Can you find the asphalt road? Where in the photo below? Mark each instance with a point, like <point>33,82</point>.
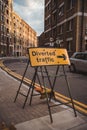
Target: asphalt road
<point>77,81</point>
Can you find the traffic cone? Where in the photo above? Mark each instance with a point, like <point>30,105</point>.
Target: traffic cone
<point>12,127</point>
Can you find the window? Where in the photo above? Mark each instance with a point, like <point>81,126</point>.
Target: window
<point>54,2</point>
<point>14,25</point>
<point>14,39</point>
<point>2,18</point>
<point>48,7</point>
<point>2,8</point>
<point>61,10</point>
<point>2,28</point>
<point>8,39</point>
<point>86,31</point>
<point>54,17</point>
<point>47,21</point>
<point>6,2</point>
<point>7,21</point>
<point>79,56</point>
<point>86,46</point>
<point>54,32</point>
<point>60,29</point>
<point>70,4</point>
<point>86,28</point>
<point>7,12</point>
<point>70,25</point>
<point>18,47</point>
<point>2,37</point>
<point>7,30</point>
<point>69,45</point>
<point>85,56</point>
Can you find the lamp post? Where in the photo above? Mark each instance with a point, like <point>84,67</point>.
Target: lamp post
<point>51,41</point>
<point>57,42</point>
<point>82,25</point>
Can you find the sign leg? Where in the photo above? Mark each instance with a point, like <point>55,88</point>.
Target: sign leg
<point>68,86</point>
<point>33,83</point>
<point>21,81</point>
<point>51,119</point>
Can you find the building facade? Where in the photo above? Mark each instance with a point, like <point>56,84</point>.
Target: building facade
<point>65,24</point>
<point>23,35</point>
<point>15,34</point>
<point>6,44</point>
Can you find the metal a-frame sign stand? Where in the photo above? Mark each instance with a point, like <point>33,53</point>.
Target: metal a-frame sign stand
<point>40,58</point>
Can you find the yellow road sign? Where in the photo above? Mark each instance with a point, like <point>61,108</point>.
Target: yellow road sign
<point>48,56</point>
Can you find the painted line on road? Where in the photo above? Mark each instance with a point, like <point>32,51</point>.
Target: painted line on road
<point>78,105</point>
<point>68,99</point>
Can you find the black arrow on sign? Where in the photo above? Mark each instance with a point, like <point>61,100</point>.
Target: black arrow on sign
<point>62,56</point>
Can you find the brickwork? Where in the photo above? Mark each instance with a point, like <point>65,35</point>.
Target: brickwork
<point>66,21</point>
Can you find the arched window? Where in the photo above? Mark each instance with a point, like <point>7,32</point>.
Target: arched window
<point>86,46</point>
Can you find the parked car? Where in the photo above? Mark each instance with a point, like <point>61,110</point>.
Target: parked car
<point>78,62</point>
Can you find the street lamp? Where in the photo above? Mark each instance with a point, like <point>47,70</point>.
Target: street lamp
<point>58,42</point>
<point>82,25</point>
<point>51,41</point>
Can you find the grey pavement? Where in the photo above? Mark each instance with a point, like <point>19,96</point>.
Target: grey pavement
<point>35,116</point>
<point>64,120</point>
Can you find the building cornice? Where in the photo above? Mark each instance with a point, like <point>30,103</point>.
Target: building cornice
<point>69,18</point>
<point>73,16</point>
<point>47,3</point>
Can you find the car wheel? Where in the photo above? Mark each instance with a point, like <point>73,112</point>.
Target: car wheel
<point>72,68</point>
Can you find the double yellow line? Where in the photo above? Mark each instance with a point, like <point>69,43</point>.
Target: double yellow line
<point>78,105</point>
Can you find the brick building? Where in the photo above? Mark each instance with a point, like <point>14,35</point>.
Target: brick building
<point>23,35</point>
<point>15,34</point>
<point>6,44</point>
<point>65,23</point>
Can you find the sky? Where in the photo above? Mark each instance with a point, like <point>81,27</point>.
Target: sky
<point>31,11</point>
